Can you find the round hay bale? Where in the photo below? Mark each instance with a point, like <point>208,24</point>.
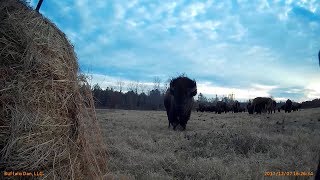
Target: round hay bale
<point>47,117</point>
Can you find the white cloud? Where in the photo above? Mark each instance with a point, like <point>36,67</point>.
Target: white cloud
<point>101,3</point>
<point>103,39</point>
<point>240,31</point>
<point>240,46</point>
<point>264,5</point>
<point>88,20</point>
<point>283,15</point>
<point>119,12</point>
<point>263,87</point>
<point>64,8</point>
<point>312,90</point>
<point>193,10</point>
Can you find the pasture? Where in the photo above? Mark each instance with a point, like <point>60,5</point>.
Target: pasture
<point>213,146</point>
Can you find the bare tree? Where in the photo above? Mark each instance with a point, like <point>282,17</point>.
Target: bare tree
<point>156,83</point>
<point>136,86</point>
<point>120,84</point>
<point>142,87</point>
<point>165,86</point>
<point>131,86</point>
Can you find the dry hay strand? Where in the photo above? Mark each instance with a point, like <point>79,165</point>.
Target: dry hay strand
<point>47,117</point>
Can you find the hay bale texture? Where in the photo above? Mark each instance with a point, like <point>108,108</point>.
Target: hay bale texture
<point>47,116</point>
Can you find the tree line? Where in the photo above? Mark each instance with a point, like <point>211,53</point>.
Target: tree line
<point>138,98</point>
<point>113,99</point>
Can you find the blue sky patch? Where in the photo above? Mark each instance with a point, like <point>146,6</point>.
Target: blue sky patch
<point>250,48</point>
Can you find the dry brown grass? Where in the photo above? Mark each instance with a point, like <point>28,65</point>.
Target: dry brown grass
<point>226,146</point>
<point>47,118</point>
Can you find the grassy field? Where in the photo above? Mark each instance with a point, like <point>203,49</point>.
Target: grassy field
<point>225,146</point>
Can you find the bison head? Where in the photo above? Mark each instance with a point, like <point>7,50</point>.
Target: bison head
<point>183,89</point>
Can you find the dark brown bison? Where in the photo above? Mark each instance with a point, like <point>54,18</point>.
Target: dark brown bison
<point>221,107</point>
<point>271,106</point>
<point>250,107</point>
<point>274,106</point>
<point>288,106</point>
<point>282,107</point>
<point>262,103</point>
<point>206,108</point>
<point>236,107</point>
<point>201,108</point>
<point>211,108</point>
<point>296,106</point>
<point>242,109</point>
<point>178,101</point>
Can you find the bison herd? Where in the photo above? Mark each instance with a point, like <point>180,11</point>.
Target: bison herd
<point>221,107</point>
<point>178,102</point>
<point>257,105</point>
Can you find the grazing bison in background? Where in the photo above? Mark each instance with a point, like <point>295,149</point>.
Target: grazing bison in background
<point>271,106</point>
<point>178,101</point>
<point>281,107</point>
<point>288,106</point>
<point>211,108</point>
<point>261,103</point>
<point>242,109</point>
<point>236,107</point>
<point>296,106</point>
<point>201,108</point>
<point>206,108</point>
<point>250,107</point>
<point>221,107</point>
<point>274,106</point>
<point>229,107</point>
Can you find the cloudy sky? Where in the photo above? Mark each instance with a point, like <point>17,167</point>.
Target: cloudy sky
<point>249,48</point>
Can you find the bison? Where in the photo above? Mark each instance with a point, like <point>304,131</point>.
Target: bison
<point>274,106</point>
<point>262,103</point>
<point>211,108</point>
<point>250,107</point>
<point>271,106</point>
<point>242,109</point>
<point>178,101</point>
<point>296,106</point>
<point>282,107</point>
<point>288,106</point>
<point>206,108</point>
<point>201,108</point>
<point>221,107</point>
<point>236,107</point>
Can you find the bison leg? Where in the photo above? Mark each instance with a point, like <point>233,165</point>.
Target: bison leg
<point>174,126</point>
<point>183,127</point>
